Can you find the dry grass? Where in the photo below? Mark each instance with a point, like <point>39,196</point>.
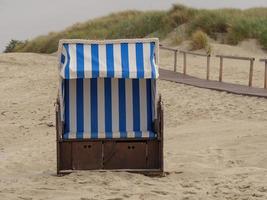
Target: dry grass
<point>199,40</point>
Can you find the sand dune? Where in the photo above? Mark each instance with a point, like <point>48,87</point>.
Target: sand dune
<point>215,143</point>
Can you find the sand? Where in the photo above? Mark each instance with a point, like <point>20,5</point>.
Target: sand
<point>215,143</point>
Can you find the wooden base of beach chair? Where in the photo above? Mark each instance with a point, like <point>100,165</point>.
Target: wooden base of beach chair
<point>133,155</point>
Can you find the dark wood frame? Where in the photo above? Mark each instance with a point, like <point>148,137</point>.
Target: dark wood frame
<point>134,155</point>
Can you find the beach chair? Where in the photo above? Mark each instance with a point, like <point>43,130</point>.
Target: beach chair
<point>108,116</point>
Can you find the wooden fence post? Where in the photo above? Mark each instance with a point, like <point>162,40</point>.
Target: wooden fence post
<point>175,60</point>
<point>265,72</point>
<point>265,77</point>
<point>208,67</point>
<point>250,72</point>
<point>221,69</point>
<point>184,62</point>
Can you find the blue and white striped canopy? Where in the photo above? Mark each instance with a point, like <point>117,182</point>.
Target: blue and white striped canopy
<point>108,59</point>
<point>108,88</point>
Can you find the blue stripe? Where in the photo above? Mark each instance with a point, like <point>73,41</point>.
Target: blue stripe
<point>67,108</point>
<point>152,58</point>
<point>67,68</point>
<point>125,60</point>
<point>140,60</point>
<point>151,134</point>
<point>79,108</point>
<point>108,108</point>
<point>62,60</point>
<point>95,60</point>
<point>94,110</point>
<point>80,60</point>
<point>149,104</point>
<point>67,94</point>
<point>136,107</point>
<point>110,60</point>
<point>122,108</point>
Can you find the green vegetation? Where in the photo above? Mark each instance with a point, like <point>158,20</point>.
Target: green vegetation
<point>12,45</point>
<point>235,25</point>
<point>199,40</point>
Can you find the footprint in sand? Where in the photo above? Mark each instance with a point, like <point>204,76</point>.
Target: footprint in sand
<point>188,198</point>
<point>115,199</point>
<point>160,192</point>
<point>187,185</point>
<point>234,163</point>
<point>189,192</point>
<point>25,198</point>
<point>262,189</point>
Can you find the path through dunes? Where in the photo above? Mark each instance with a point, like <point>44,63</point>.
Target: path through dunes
<point>177,77</point>
<point>215,143</point>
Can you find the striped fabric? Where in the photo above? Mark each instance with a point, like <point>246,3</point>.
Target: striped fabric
<point>108,88</point>
<point>109,108</point>
<point>110,60</point>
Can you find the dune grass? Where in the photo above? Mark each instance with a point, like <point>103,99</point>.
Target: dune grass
<point>199,40</point>
<point>236,25</point>
<point>130,24</point>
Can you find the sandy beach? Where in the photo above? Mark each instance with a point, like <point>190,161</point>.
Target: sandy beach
<point>215,142</point>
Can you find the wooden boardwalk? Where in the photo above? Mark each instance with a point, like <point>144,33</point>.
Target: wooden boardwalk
<point>213,85</point>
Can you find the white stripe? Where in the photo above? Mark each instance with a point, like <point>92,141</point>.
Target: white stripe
<point>145,134</point>
<point>101,135</point>
<point>87,61</point>
<point>132,61</point>
<point>102,61</point>
<point>129,104</point>
<point>87,108</point>
<point>116,135</point>
<point>130,134</point>
<point>143,105</point>
<point>117,60</point>
<point>73,62</point>
<point>147,63</point>
<point>72,135</point>
<point>101,105</point>
<point>72,101</point>
<point>115,105</point>
<point>154,64</point>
